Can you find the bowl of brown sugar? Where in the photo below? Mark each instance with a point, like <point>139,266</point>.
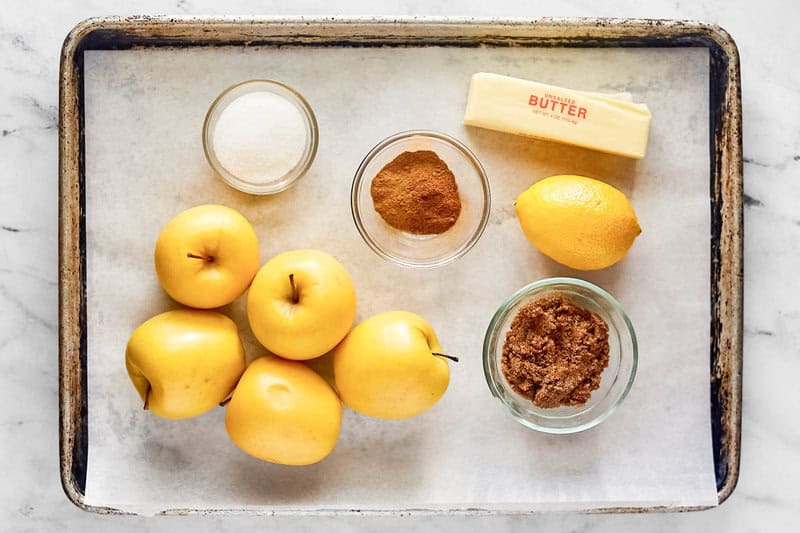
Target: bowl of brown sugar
<point>560,355</point>
<point>420,199</point>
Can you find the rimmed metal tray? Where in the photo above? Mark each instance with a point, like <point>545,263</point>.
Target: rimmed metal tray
<point>725,343</point>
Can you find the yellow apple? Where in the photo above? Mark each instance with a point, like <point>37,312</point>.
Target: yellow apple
<point>301,304</point>
<point>284,413</point>
<point>206,256</point>
<point>185,362</point>
<point>391,366</point>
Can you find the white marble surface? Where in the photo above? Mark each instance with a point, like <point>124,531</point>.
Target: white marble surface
<point>30,495</point>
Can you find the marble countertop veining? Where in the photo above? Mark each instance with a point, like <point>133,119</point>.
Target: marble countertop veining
<point>766,499</point>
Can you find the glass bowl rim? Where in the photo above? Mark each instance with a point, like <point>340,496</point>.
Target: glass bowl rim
<point>528,290</point>
<point>282,183</point>
<point>464,150</point>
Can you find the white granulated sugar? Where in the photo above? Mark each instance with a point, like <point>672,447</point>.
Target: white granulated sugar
<point>260,136</point>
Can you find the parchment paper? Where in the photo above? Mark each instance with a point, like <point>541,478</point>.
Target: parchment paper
<point>144,113</point>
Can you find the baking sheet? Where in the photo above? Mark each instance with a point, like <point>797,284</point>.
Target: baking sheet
<point>144,163</point>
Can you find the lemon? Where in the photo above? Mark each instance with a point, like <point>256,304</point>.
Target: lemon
<point>580,222</point>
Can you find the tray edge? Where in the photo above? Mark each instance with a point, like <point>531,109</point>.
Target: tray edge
<point>728,160</point>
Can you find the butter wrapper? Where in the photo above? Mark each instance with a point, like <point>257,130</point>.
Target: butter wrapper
<point>607,123</point>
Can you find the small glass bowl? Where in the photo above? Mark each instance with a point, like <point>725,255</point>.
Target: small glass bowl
<point>615,382</point>
<point>423,251</point>
<point>279,183</point>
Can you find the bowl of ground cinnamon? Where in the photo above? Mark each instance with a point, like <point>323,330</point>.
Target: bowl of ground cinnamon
<point>420,199</point>
<point>560,355</point>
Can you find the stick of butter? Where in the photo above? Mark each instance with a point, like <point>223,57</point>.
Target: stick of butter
<point>608,123</point>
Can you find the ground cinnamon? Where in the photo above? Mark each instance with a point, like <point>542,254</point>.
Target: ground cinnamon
<point>555,352</point>
<point>416,192</point>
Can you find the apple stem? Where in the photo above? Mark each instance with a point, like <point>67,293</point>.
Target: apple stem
<point>146,405</point>
<point>451,357</point>
<point>227,400</point>
<point>295,295</point>
<point>203,257</point>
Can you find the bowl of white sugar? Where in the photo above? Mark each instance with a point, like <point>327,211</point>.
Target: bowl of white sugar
<point>260,136</point>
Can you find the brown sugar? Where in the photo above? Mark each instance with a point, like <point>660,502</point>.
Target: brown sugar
<point>416,192</point>
<point>555,352</point>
